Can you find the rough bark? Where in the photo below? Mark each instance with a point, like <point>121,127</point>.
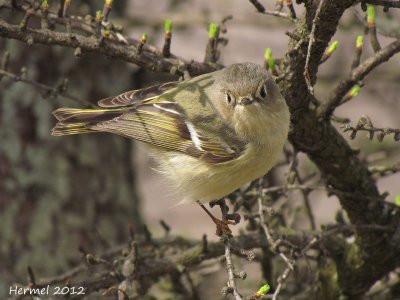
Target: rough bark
<point>59,193</point>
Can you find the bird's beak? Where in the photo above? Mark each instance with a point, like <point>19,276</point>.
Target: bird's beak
<point>246,101</point>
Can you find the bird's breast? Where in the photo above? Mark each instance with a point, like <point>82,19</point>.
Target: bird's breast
<point>195,179</point>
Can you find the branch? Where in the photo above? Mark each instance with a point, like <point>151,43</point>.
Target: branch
<point>54,91</point>
<point>147,268</point>
<point>260,8</point>
<point>277,13</point>
<point>341,168</point>
<point>230,269</point>
<point>274,247</point>
<point>386,3</point>
<point>311,41</point>
<point>365,124</point>
<point>150,58</point>
<point>385,170</point>
<point>327,108</point>
<point>339,164</point>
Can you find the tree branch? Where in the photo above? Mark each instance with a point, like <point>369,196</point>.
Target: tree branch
<point>150,59</point>
<point>357,265</point>
<point>341,168</point>
<point>54,91</point>
<point>327,108</point>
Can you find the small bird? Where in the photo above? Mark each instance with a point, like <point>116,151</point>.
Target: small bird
<point>210,135</point>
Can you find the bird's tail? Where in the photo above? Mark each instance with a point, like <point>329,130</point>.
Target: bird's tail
<point>76,121</point>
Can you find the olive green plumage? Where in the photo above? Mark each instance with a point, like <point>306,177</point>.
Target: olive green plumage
<point>210,134</point>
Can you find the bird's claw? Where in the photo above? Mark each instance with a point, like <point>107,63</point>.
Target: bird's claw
<point>222,225</point>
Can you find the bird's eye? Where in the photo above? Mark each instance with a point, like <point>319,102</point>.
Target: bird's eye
<point>228,98</point>
<point>263,91</point>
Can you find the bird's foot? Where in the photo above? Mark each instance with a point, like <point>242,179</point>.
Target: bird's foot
<point>227,219</point>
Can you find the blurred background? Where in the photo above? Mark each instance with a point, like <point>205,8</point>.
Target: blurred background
<point>58,194</point>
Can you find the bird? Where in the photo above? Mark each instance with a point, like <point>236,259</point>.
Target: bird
<point>209,135</point>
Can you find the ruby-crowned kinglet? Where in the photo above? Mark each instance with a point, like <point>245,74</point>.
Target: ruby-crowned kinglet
<point>210,135</point>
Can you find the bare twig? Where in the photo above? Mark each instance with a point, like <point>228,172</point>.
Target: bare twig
<point>60,8</point>
<point>24,22</point>
<point>308,188</point>
<point>228,256</point>
<point>385,170</point>
<point>4,63</point>
<point>309,49</point>
<point>386,3</point>
<point>282,278</point>
<point>230,268</point>
<point>165,226</point>
<point>54,91</point>
<point>107,8</point>
<point>31,277</point>
<point>273,244</point>
<point>290,263</point>
<point>327,108</point>
<point>279,5</point>
<point>358,51</point>
<point>77,22</point>
<point>260,8</point>
<point>292,11</point>
<point>293,174</point>
<point>278,14</point>
<point>365,124</point>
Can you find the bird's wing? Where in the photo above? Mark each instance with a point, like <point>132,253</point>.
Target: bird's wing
<point>163,124</point>
<point>137,97</point>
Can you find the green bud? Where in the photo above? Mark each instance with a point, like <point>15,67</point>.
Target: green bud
<point>168,26</point>
<point>332,47</point>
<point>107,33</point>
<point>109,3</point>
<point>213,32</point>
<point>45,4</point>
<point>263,290</point>
<point>360,41</point>
<point>144,37</point>
<point>270,59</point>
<point>371,14</point>
<point>99,15</point>
<point>268,53</point>
<point>397,200</point>
<point>355,90</point>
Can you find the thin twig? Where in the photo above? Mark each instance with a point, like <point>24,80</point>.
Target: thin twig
<point>228,256</point>
<point>326,109</point>
<point>385,170</point>
<point>289,262</point>
<point>230,269</point>
<point>282,278</point>
<point>293,174</point>
<point>310,44</point>
<point>278,14</point>
<point>273,244</point>
<point>308,188</point>
<point>48,89</point>
<point>260,8</point>
<point>365,124</point>
<point>357,52</point>
<point>292,11</point>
